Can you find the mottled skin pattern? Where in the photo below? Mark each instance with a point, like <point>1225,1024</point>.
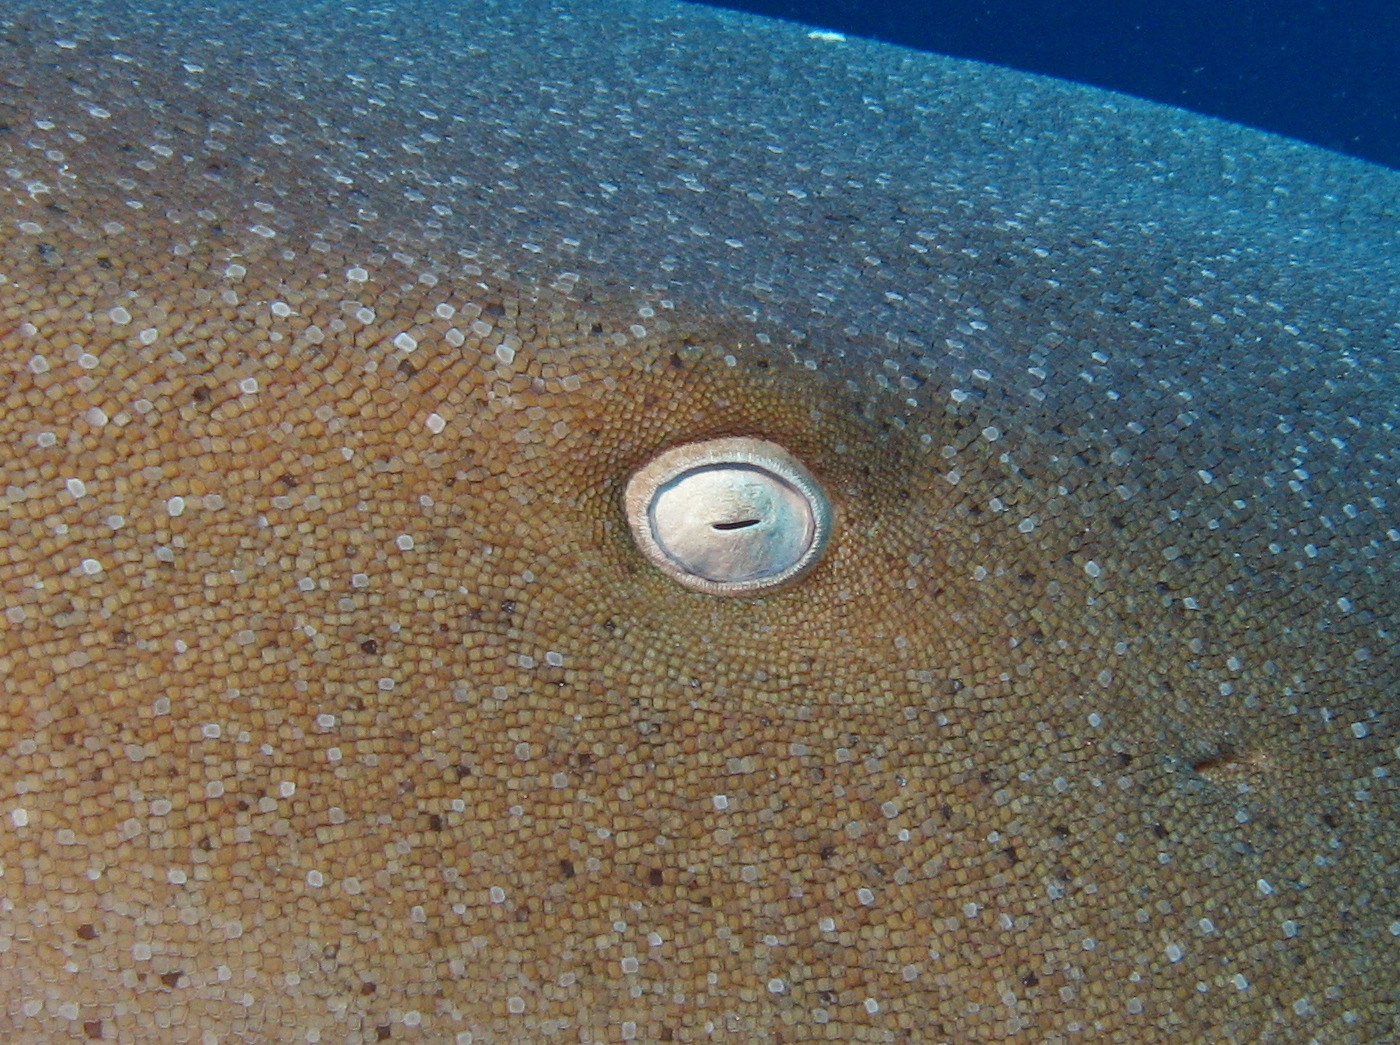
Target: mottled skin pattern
<point>340,706</point>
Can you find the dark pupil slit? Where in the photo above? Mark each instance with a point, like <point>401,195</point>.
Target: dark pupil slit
<point>736,525</point>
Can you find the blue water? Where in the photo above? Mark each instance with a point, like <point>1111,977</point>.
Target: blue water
<point>1324,71</point>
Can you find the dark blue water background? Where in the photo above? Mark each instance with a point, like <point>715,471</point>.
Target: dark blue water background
<point>1325,71</point>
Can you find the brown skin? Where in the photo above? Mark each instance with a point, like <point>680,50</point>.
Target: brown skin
<point>386,746</point>
<point>895,688</point>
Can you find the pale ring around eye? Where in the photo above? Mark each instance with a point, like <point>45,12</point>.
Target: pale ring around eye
<point>735,516</point>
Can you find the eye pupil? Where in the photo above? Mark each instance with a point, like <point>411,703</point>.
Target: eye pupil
<point>736,525</point>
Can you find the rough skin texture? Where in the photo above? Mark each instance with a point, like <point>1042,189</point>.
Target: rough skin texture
<point>340,706</point>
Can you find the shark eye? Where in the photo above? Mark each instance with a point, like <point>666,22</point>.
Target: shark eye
<point>737,516</point>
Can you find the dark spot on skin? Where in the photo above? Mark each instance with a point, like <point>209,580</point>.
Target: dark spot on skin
<point>1222,758</point>
<point>1159,830</point>
<point>1010,853</point>
<point>1030,980</point>
<point>200,395</point>
<point>677,363</point>
<point>655,877</point>
<point>1328,820</point>
<point>985,776</point>
<point>370,646</point>
<point>1125,759</point>
<point>596,328</point>
<point>508,606</point>
<point>93,1029</point>
<point>87,932</point>
<point>171,979</point>
<point>434,822</point>
<point>241,805</point>
<point>1060,830</point>
<point>566,868</point>
<point>368,987</point>
<point>382,1032</point>
<point>407,369</point>
<point>827,852</point>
